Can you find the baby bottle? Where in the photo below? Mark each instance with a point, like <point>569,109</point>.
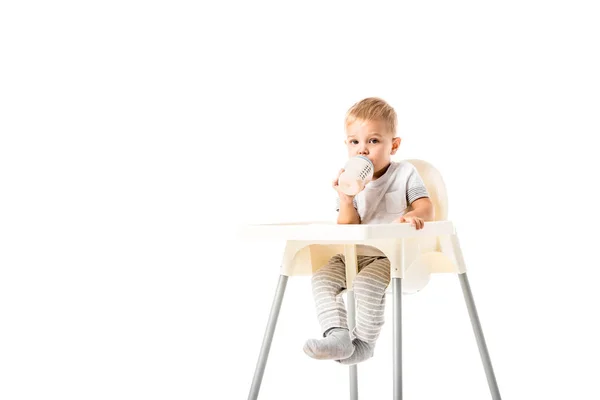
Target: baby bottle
<point>357,173</point>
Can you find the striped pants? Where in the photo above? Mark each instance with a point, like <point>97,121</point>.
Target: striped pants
<point>370,283</point>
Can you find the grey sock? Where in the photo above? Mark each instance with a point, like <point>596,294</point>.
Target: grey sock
<point>362,351</point>
<point>336,345</point>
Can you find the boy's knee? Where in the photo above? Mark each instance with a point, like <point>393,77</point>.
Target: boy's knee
<point>319,276</point>
<point>324,276</point>
<point>316,277</point>
<point>363,284</point>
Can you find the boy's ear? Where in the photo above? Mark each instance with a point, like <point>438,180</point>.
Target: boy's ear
<point>395,144</point>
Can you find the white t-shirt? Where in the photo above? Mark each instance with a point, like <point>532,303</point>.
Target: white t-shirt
<point>386,199</point>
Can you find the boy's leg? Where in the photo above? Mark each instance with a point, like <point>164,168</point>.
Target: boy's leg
<point>369,289</point>
<point>327,286</point>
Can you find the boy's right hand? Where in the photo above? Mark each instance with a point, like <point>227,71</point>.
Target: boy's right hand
<point>344,198</point>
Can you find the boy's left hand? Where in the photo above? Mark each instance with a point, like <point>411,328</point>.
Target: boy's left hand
<point>417,222</point>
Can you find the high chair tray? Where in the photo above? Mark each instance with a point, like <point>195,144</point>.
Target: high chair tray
<point>331,232</point>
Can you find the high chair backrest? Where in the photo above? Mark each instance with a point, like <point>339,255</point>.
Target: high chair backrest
<point>435,186</point>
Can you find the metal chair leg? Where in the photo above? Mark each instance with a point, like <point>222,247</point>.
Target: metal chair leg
<point>351,261</point>
<point>268,338</point>
<point>397,292</point>
<point>483,351</point>
<point>351,325</point>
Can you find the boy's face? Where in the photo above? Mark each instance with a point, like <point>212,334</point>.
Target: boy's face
<point>373,140</point>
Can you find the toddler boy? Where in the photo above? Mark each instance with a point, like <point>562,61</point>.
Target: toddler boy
<point>395,194</point>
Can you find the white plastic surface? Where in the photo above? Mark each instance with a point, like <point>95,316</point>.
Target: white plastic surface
<point>414,254</point>
<point>328,232</point>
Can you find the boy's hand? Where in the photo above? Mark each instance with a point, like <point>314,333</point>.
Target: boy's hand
<point>343,196</point>
<point>417,222</point>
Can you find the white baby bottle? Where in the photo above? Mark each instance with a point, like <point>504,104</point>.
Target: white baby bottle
<point>357,173</point>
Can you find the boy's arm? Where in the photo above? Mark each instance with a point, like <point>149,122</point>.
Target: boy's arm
<point>422,208</point>
<point>347,214</point>
<point>418,198</point>
<point>422,211</point>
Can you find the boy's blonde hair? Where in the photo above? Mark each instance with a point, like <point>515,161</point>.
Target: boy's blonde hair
<point>373,108</point>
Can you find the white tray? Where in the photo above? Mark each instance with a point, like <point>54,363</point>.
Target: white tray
<point>331,232</point>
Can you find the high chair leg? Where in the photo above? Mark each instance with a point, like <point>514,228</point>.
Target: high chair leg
<point>351,324</point>
<point>397,332</point>
<point>483,351</point>
<point>351,271</point>
<point>268,338</point>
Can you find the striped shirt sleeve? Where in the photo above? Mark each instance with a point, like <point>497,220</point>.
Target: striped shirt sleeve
<point>415,188</point>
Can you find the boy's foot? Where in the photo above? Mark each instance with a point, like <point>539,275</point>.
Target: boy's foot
<point>362,351</point>
<point>337,345</point>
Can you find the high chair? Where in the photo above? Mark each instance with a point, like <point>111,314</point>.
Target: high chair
<point>414,255</point>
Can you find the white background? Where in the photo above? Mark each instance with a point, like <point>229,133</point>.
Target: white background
<point>137,136</point>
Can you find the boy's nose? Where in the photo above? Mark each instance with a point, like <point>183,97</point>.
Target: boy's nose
<point>363,151</point>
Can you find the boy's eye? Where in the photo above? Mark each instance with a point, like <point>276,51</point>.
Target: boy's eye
<point>374,140</point>
<point>354,141</point>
